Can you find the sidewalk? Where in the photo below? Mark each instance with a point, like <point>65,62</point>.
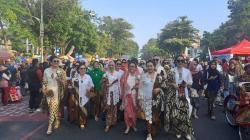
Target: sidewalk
<point>19,111</point>
<point>15,109</point>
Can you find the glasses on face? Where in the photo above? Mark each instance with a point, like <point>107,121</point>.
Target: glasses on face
<point>118,64</point>
<point>56,61</point>
<point>82,68</point>
<point>156,59</point>
<point>124,62</point>
<point>180,61</point>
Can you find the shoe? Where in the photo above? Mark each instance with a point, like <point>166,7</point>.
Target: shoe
<point>57,124</point>
<point>149,137</point>
<point>106,129</point>
<point>135,129</point>
<point>96,118</point>
<point>214,106</point>
<point>82,126</point>
<point>188,137</point>
<point>220,104</point>
<point>195,114</point>
<point>49,131</point>
<point>178,136</point>
<point>31,110</point>
<point>213,117</point>
<point>38,110</point>
<point>127,131</point>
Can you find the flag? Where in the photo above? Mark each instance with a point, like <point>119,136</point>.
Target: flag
<point>209,54</point>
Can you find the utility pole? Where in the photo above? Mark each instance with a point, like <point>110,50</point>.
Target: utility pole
<point>41,31</point>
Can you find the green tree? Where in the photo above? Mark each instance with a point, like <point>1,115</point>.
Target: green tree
<point>177,35</point>
<point>151,49</point>
<point>119,34</point>
<point>11,14</point>
<point>232,31</point>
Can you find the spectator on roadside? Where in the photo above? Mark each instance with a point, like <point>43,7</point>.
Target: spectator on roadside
<point>4,83</point>
<point>35,84</point>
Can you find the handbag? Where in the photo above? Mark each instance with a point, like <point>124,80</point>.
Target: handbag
<point>49,93</point>
<point>91,94</point>
<point>141,114</point>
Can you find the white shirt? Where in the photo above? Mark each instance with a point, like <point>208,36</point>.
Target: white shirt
<point>184,75</point>
<point>159,68</point>
<point>199,67</point>
<point>85,83</point>
<point>115,88</point>
<point>121,72</point>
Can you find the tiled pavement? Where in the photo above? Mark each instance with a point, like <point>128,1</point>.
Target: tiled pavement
<point>16,108</point>
<point>18,111</point>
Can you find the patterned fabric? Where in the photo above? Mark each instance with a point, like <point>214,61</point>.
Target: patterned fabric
<point>129,88</point>
<point>53,111</point>
<point>113,94</point>
<point>54,80</point>
<point>110,97</point>
<point>176,109</point>
<point>181,121</point>
<point>130,112</point>
<point>111,115</point>
<point>145,95</point>
<point>169,99</point>
<point>151,104</point>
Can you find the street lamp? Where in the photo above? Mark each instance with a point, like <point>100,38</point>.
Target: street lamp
<point>41,30</point>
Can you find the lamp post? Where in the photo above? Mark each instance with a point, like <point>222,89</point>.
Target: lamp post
<point>41,31</point>
<point>41,34</point>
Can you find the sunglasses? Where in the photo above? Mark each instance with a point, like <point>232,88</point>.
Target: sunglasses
<point>118,63</point>
<point>56,61</point>
<point>180,61</point>
<point>82,68</point>
<point>124,62</point>
<point>156,59</point>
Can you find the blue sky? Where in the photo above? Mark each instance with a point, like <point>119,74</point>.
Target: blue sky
<point>148,17</point>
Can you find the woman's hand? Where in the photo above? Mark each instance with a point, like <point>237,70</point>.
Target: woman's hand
<point>44,90</point>
<point>156,90</point>
<point>175,86</point>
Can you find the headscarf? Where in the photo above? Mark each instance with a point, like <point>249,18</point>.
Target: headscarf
<point>212,72</point>
<point>113,63</point>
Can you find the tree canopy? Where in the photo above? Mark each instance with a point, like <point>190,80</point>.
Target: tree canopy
<point>232,31</point>
<point>173,39</point>
<point>66,23</point>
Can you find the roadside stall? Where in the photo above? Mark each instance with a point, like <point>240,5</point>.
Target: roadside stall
<point>241,49</point>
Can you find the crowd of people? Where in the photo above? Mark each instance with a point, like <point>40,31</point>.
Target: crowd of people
<point>165,93</point>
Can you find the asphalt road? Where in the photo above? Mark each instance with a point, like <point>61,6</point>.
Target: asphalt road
<point>35,129</point>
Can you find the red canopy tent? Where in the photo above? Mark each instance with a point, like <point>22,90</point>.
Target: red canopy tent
<point>223,51</point>
<point>242,48</point>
